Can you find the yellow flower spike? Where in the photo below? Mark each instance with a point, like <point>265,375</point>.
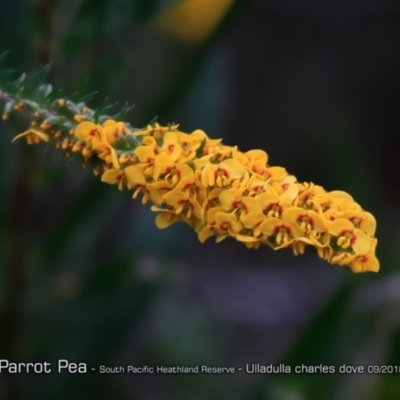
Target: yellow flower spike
<point>217,189</point>
<point>348,236</point>
<point>107,153</point>
<point>32,136</point>
<point>90,133</point>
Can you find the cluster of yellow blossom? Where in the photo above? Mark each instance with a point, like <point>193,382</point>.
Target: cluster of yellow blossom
<point>219,190</point>
<point>223,192</point>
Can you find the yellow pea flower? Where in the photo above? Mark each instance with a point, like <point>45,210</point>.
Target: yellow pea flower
<point>209,228</point>
<point>232,200</point>
<point>272,204</point>
<point>366,262</point>
<point>362,220</point>
<point>193,186</point>
<point>166,218</point>
<point>226,225</point>
<point>90,133</point>
<point>212,200</point>
<point>32,136</point>
<point>222,174</point>
<point>114,176</point>
<point>288,185</point>
<point>349,237</point>
<point>107,153</point>
<point>147,152</point>
<point>171,146</point>
<point>313,225</point>
<point>269,173</point>
<point>114,130</point>
<point>252,221</point>
<point>284,233</point>
<point>157,190</point>
<point>165,168</point>
<point>257,186</point>
<point>181,203</point>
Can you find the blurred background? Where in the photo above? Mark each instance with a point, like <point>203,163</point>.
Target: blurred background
<point>86,276</point>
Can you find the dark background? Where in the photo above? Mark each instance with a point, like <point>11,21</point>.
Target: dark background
<point>84,273</point>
